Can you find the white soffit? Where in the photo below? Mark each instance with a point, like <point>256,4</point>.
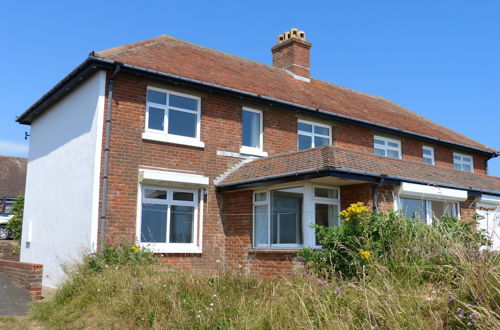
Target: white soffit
<point>431,192</point>
<point>489,199</point>
<point>172,178</point>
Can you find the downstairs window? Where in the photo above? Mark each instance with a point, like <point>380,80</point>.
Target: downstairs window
<point>428,211</point>
<point>169,219</point>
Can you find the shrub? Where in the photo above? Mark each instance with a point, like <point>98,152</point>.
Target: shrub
<point>404,246</point>
<point>121,254</point>
<point>15,223</point>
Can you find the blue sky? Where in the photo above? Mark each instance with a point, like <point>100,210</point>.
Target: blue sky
<point>440,59</point>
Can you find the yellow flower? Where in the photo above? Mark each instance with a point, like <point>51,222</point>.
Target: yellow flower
<point>365,254</point>
<point>353,211</point>
<point>135,249</point>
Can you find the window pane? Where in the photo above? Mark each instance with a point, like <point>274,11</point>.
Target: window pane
<point>156,118</point>
<point>305,142</point>
<point>326,215</point>
<point>154,223</point>
<point>321,130</point>
<point>325,193</point>
<point>379,142</point>
<point>414,208</point>
<point>260,197</point>
<point>320,141</point>
<point>457,166</point>
<point>392,154</point>
<point>427,160</point>
<point>380,152</point>
<point>286,217</point>
<point>440,209</point>
<point>157,97</point>
<point>156,194</point>
<point>183,196</point>
<point>427,152</point>
<point>261,230</point>
<point>392,144</point>
<point>182,123</point>
<point>466,160</point>
<point>466,167</point>
<point>181,224</point>
<point>455,157</point>
<point>183,102</point>
<point>251,129</point>
<point>305,127</point>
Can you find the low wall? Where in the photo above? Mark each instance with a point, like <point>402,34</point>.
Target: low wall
<point>9,250</point>
<point>29,275</point>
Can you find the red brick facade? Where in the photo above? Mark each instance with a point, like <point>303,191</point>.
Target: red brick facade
<point>227,223</point>
<point>29,275</point>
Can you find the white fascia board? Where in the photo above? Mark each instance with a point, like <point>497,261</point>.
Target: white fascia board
<point>172,178</point>
<point>489,199</point>
<point>431,192</point>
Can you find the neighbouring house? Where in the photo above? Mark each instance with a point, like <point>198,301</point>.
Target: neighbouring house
<point>12,178</point>
<point>215,161</point>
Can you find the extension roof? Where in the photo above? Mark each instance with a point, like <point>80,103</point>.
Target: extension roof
<point>348,163</point>
<point>167,57</point>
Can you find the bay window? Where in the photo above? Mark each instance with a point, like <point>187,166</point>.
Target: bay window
<point>283,217</point>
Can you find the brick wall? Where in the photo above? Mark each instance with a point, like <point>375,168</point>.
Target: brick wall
<point>293,55</point>
<point>220,131</point>
<point>29,275</point>
<point>364,193</point>
<point>9,250</point>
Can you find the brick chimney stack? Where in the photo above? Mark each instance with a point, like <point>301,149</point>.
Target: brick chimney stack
<point>292,53</point>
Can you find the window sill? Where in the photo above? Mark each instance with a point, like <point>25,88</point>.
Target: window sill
<point>172,139</point>
<point>274,251</point>
<point>170,248</point>
<point>253,151</point>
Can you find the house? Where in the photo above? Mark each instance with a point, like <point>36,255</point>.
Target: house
<point>215,161</point>
<point>12,182</point>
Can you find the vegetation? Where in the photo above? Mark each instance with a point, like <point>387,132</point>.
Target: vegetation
<point>377,270</point>
<point>15,224</point>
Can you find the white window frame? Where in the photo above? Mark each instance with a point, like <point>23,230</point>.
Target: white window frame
<point>312,134</point>
<point>322,200</point>
<point>308,215</point>
<point>428,207</point>
<point>387,147</point>
<point>432,157</point>
<point>461,161</point>
<point>250,150</point>
<point>197,203</point>
<point>163,135</point>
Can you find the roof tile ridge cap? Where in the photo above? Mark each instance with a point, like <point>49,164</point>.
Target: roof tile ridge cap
<point>119,49</point>
<point>230,171</point>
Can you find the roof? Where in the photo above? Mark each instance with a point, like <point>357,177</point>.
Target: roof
<point>343,160</point>
<point>170,55</point>
<point>12,176</point>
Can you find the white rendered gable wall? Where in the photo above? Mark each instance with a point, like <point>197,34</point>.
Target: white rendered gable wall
<point>62,184</point>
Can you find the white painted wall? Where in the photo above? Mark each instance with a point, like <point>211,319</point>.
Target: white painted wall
<point>62,185</point>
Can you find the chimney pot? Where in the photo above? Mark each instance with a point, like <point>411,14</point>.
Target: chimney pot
<point>292,53</point>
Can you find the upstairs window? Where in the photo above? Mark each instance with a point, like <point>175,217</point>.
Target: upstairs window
<point>252,133</point>
<point>463,162</point>
<point>428,155</point>
<point>173,114</point>
<point>387,147</point>
<point>312,135</point>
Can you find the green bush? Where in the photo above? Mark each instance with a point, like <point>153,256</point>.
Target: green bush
<point>15,223</point>
<point>404,246</point>
<point>121,254</point>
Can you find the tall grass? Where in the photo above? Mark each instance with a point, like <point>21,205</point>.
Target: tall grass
<point>431,281</point>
